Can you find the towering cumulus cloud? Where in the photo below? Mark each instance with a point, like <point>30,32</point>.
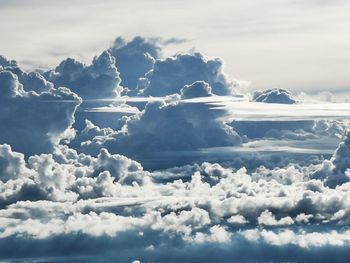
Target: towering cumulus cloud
<point>31,122</point>
<point>96,81</point>
<point>170,75</point>
<point>134,59</point>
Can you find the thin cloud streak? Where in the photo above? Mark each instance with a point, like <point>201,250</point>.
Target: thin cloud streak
<point>255,111</point>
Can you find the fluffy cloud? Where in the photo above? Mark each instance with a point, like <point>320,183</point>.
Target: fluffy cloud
<point>85,202</point>
<point>196,90</point>
<point>31,81</point>
<point>96,81</point>
<point>274,96</point>
<point>65,175</point>
<point>34,123</point>
<point>341,157</point>
<point>170,75</point>
<point>166,126</point>
<point>336,170</point>
<point>4,62</point>
<point>134,59</point>
<point>12,164</point>
<point>211,207</point>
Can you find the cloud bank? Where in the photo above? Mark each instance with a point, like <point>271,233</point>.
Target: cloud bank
<point>93,170</point>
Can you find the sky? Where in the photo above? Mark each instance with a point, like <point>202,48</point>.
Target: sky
<point>174,131</point>
<point>292,44</point>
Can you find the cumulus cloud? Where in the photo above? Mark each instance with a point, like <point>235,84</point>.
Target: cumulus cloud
<point>34,123</point>
<point>134,58</point>
<point>166,126</point>
<point>209,207</point>
<point>336,171</point>
<point>274,96</point>
<point>4,62</point>
<point>195,90</point>
<point>65,175</point>
<point>170,75</point>
<point>31,81</point>
<point>77,198</point>
<point>96,81</point>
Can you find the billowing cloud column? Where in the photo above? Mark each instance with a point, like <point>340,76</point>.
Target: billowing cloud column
<point>30,122</point>
<point>169,76</point>
<point>96,81</point>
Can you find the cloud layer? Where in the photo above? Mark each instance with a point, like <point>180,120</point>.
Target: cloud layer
<point>110,200</point>
<point>91,170</point>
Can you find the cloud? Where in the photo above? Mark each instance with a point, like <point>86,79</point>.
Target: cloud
<point>195,90</point>
<point>134,58</point>
<point>341,157</point>
<point>210,207</point>
<point>170,75</point>
<point>274,96</point>
<point>34,123</point>
<point>4,62</point>
<point>31,81</point>
<point>87,196</point>
<point>166,126</point>
<point>96,81</point>
<point>336,171</point>
<point>281,116</point>
<point>65,175</point>
<point>12,164</point>
<point>274,129</point>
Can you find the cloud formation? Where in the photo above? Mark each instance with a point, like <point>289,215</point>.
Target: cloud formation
<point>266,191</point>
<point>31,122</point>
<point>134,59</point>
<point>99,80</point>
<point>167,125</point>
<point>198,207</point>
<point>274,96</point>
<point>170,75</point>
<point>31,81</point>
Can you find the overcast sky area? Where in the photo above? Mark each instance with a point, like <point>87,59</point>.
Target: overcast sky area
<point>292,44</point>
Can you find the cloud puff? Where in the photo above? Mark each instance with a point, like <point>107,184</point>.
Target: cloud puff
<point>134,59</point>
<point>274,96</point>
<point>4,62</point>
<point>96,81</point>
<point>170,75</point>
<point>341,157</point>
<point>195,90</point>
<point>12,164</point>
<point>31,81</point>
<point>336,171</point>
<point>167,126</point>
<point>34,123</point>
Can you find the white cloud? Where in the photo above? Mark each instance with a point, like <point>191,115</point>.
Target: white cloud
<point>34,123</point>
